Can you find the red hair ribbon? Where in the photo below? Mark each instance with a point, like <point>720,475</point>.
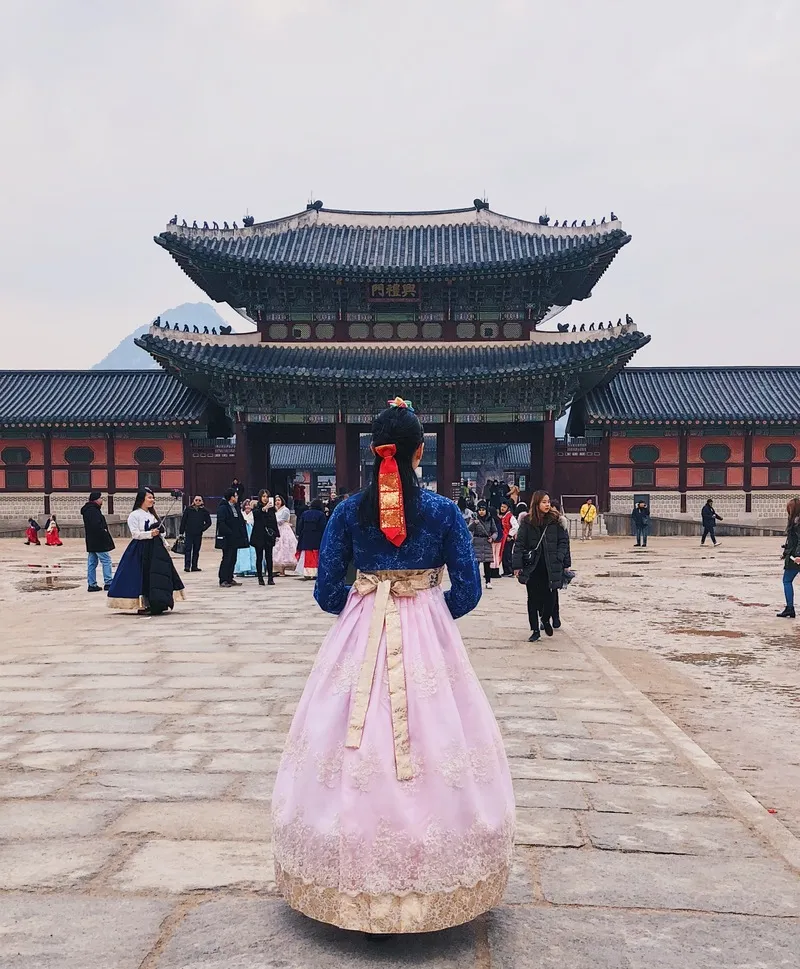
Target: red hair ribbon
<point>390,496</point>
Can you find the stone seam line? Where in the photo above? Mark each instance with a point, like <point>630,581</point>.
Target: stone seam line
<point>744,804</point>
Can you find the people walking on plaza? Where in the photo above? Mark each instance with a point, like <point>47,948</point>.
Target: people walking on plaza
<point>246,557</point>
<point>563,522</point>
<point>99,543</point>
<point>146,580</point>
<point>507,522</point>
<point>52,535</point>
<point>497,540</point>
<point>393,808</point>
<point>588,516</point>
<point>231,536</point>
<point>466,512</point>
<point>640,517</point>
<point>32,532</point>
<point>310,529</point>
<point>540,550</point>
<point>264,535</point>
<point>791,557</point>
<point>194,522</point>
<point>710,519</point>
<point>513,497</point>
<point>469,495</point>
<point>239,488</point>
<point>484,531</point>
<point>284,555</point>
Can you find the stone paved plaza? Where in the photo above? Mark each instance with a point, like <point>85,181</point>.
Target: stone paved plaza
<point>649,740</point>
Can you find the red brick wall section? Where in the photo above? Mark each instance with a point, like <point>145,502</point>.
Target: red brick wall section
<point>35,445</point>
<point>60,478</point>
<point>36,479</point>
<point>171,479</point>
<point>127,480</point>
<point>760,478</point>
<point>696,444</point>
<point>99,479</point>
<point>60,446</point>
<point>736,476</point>
<point>694,477</point>
<point>620,478</point>
<point>125,450</point>
<point>620,448</point>
<point>666,477</point>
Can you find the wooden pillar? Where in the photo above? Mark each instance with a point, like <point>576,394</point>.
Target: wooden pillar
<point>111,464</point>
<point>242,456</point>
<point>447,458</point>
<point>48,470</point>
<point>604,497</point>
<point>748,470</point>
<point>258,466</point>
<point>353,482</point>
<point>683,462</point>
<point>548,453</point>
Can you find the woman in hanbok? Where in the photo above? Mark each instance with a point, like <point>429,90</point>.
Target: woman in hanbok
<point>507,522</point>
<point>284,555</point>
<point>310,529</point>
<point>145,581</point>
<point>32,532</point>
<point>393,809</point>
<point>52,536</point>
<point>246,557</point>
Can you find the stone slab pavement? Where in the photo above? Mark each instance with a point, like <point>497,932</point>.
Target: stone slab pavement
<point>137,757</point>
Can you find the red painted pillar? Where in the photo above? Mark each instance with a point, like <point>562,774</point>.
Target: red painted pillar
<point>748,470</point>
<point>48,470</point>
<point>548,453</point>
<point>242,456</point>
<point>341,455</point>
<point>111,464</point>
<point>683,462</point>
<point>448,462</point>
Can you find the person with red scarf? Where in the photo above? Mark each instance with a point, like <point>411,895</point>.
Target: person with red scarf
<point>507,521</point>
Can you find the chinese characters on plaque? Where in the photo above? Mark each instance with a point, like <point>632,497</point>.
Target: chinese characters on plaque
<point>393,292</point>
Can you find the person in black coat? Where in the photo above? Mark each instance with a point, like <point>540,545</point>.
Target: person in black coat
<point>194,522</point>
<point>640,516</point>
<point>791,557</point>
<point>540,552</point>
<point>710,519</point>
<point>309,539</point>
<point>98,542</point>
<point>231,536</point>
<point>264,535</point>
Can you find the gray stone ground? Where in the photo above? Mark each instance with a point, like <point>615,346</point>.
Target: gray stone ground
<point>137,757</point>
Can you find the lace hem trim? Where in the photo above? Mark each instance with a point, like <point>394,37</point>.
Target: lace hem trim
<point>392,914</point>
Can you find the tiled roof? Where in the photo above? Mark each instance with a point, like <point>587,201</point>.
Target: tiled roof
<point>409,244</point>
<point>708,394</point>
<point>96,397</point>
<point>303,457</point>
<point>370,364</point>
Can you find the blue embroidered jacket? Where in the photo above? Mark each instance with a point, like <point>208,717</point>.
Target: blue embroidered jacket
<point>438,536</point>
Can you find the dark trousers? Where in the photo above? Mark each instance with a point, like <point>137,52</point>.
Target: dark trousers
<point>487,571</point>
<point>709,530</point>
<point>507,553</point>
<point>228,564</point>
<point>555,614</point>
<point>641,534</point>
<point>192,553</point>
<point>264,555</point>
<point>540,603</point>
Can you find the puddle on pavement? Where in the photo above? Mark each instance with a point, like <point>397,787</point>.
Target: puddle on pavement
<point>714,659</point>
<point>48,583</point>
<point>618,575</point>
<point>720,633</point>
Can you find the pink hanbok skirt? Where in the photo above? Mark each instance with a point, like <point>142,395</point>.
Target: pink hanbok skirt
<point>284,555</point>
<point>355,846</point>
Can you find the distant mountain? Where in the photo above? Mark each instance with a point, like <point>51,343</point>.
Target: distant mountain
<point>127,356</point>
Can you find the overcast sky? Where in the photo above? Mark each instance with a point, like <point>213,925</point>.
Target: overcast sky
<point>683,118</point>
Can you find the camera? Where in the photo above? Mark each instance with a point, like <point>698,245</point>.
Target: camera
<point>176,493</point>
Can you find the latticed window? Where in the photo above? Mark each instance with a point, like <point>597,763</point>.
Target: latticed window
<point>644,457</point>
<point>15,459</point>
<point>149,459</point>
<point>711,455</point>
<point>79,460</point>
<point>780,457</point>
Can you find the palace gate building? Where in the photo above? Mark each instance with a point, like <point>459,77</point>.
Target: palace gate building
<point>459,310</point>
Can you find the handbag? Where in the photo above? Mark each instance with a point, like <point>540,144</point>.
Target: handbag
<point>179,548</point>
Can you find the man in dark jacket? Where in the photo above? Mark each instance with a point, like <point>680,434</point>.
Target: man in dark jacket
<point>640,516</point>
<point>710,519</point>
<point>231,536</point>
<point>195,521</point>
<point>98,542</point>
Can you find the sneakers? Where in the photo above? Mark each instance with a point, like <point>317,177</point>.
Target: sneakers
<point>106,587</point>
<point>535,636</point>
<point>489,584</point>
<point>548,629</point>
<point>556,623</point>
<point>195,569</point>
<point>788,613</point>
<point>95,588</point>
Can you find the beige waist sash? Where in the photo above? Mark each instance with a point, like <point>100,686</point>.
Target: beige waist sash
<point>388,587</point>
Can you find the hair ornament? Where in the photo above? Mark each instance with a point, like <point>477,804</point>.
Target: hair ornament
<point>399,402</point>
<point>391,513</point>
